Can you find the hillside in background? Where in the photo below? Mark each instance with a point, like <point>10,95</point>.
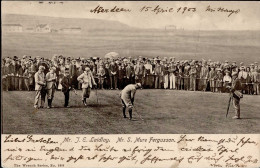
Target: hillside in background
<point>57,23</point>
<point>99,37</point>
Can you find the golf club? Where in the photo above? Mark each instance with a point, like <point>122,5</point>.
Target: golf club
<point>74,90</point>
<point>138,113</point>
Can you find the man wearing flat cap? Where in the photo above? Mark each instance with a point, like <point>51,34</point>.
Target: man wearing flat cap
<point>127,96</point>
<point>87,81</point>
<point>51,80</point>
<point>40,84</point>
<point>66,87</point>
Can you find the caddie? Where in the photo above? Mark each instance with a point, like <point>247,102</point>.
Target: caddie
<point>127,96</point>
<point>66,87</point>
<point>51,85</point>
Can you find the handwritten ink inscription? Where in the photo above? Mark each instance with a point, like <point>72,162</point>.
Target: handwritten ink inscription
<point>223,10</point>
<point>157,9</point>
<point>160,10</point>
<point>115,9</point>
<point>182,150</point>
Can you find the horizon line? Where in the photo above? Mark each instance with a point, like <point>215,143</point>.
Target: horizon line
<point>133,27</point>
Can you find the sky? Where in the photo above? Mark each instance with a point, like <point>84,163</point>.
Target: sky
<point>248,17</point>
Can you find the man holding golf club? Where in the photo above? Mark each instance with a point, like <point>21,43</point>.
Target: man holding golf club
<point>87,81</point>
<point>127,96</point>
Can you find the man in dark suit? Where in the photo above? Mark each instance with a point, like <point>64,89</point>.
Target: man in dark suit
<point>158,74</point>
<point>66,86</point>
<point>129,73</point>
<point>12,74</point>
<point>113,75</point>
<point>107,76</point>
<point>73,73</point>
<point>8,72</point>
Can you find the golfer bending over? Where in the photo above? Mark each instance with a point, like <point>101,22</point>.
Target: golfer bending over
<point>127,96</point>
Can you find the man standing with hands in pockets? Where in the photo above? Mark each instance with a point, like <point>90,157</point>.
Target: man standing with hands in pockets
<point>87,81</point>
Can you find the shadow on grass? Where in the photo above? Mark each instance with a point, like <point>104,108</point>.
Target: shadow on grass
<point>257,118</point>
<point>99,105</point>
<point>81,106</point>
<point>158,118</point>
<point>253,118</point>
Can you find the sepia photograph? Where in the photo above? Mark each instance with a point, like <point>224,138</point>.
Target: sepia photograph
<point>144,67</point>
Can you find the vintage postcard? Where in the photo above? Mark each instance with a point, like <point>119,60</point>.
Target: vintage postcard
<point>130,84</point>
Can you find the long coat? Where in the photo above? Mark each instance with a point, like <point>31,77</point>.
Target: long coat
<point>129,71</point>
<point>212,77</point>
<point>219,80</point>
<point>204,73</point>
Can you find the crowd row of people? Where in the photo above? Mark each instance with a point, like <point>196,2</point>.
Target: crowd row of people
<point>117,72</point>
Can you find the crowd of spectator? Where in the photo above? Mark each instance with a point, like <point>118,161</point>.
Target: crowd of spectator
<point>117,72</point>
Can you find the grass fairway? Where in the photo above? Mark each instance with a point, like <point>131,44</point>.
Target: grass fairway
<point>164,111</point>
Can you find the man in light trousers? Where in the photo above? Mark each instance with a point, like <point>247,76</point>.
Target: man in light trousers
<point>39,86</point>
<point>127,96</point>
<point>172,72</point>
<point>87,81</point>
